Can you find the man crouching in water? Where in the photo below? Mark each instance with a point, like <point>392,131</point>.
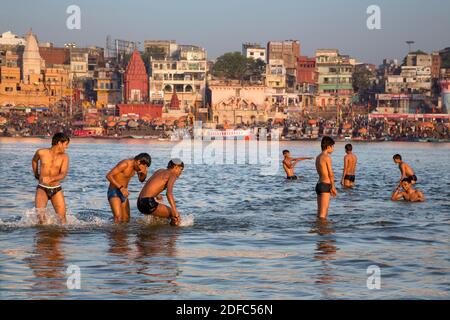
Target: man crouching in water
<point>408,193</point>
<point>54,165</point>
<point>162,179</point>
<point>325,186</point>
<point>119,177</point>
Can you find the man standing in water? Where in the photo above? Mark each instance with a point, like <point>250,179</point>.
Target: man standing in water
<point>289,164</point>
<point>119,177</point>
<point>408,194</point>
<point>405,170</point>
<point>325,186</point>
<point>348,176</point>
<point>54,165</point>
<point>162,179</point>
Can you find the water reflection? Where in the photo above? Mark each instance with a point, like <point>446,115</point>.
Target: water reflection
<point>325,252</point>
<point>48,264</point>
<point>156,259</point>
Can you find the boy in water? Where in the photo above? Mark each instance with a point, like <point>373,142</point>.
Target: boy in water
<point>348,176</point>
<point>405,169</point>
<point>54,165</point>
<point>408,193</point>
<point>119,177</point>
<point>162,179</point>
<point>289,164</point>
<point>325,186</point>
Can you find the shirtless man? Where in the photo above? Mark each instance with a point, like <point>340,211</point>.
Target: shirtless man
<point>162,179</point>
<point>325,186</point>
<point>405,169</point>
<point>54,164</point>
<point>118,178</point>
<point>289,164</point>
<point>348,176</point>
<point>408,193</point>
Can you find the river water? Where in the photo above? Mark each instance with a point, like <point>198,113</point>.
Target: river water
<point>253,236</point>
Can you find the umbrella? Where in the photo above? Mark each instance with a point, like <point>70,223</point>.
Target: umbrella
<point>312,121</point>
<point>133,124</point>
<point>3,120</point>
<point>122,124</point>
<point>111,124</point>
<point>347,126</point>
<point>362,131</point>
<point>427,125</point>
<point>110,118</point>
<point>31,119</point>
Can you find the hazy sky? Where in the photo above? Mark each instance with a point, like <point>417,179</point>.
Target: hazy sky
<point>223,25</point>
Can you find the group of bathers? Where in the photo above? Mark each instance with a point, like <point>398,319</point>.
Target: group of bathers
<point>144,205</point>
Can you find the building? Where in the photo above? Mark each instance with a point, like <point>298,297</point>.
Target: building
<point>289,52</point>
<point>56,81</point>
<point>9,39</point>
<point>32,62</point>
<point>276,75</point>
<point>182,71</point>
<point>436,62</point>
<point>149,111</point>
<point>306,74</point>
<point>107,85</point>
<point>335,78</point>
<point>233,103</point>
<point>136,80</point>
<point>254,51</point>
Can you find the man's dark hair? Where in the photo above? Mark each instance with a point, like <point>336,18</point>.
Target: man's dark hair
<point>326,142</point>
<point>348,147</point>
<point>397,156</point>
<point>59,137</point>
<point>175,162</point>
<point>406,180</point>
<point>285,151</point>
<point>144,158</point>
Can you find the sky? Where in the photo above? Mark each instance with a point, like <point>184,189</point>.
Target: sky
<point>223,25</point>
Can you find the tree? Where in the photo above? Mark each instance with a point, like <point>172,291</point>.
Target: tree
<point>361,81</point>
<point>233,65</point>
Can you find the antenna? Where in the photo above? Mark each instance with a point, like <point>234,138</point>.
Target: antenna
<point>409,43</point>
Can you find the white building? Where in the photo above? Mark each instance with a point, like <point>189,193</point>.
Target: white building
<point>10,39</point>
<point>254,51</point>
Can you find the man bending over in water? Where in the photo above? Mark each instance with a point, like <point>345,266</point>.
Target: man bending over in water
<point>405,169</point>
<point>54,164</point>
<point>325,186</point>
<point>408,193</point>
<point>162,179</point>
<point>289,164</point>
<point>348,176</point>
<point>118,178</point>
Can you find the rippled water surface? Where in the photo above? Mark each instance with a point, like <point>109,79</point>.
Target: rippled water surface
<point>254,236</point>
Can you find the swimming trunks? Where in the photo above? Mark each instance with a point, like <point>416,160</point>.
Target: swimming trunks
<point>50,191</point>
<point>147,205</point>
<point>116,193</point>
<point>349,177</point>
<point>292,178</point>
<point>322,187</point>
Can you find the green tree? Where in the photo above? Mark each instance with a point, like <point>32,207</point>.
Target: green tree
<point>361,81</point>
<point>233,65</point>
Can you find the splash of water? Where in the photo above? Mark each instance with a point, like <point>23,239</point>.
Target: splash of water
<point>186,221</point>
<point>30,218</point>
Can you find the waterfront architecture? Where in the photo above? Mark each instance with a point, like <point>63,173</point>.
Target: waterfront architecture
<point>135,80</point>
<point>9,39</point>
<point>107,85</point>
<point>233,103</point>
<point>335,74</point>
<point>181,70</point>
<point>288,51</point>
<point>306,74</point>
<point>32,62</point>
<point>254,51</point>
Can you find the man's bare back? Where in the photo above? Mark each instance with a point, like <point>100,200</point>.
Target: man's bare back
<point>156,184</point>
<point>350,160</point>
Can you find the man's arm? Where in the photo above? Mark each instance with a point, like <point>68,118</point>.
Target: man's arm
<point>397,195</point>
<point>35,164</point>
<point>344,173</point>
<point>62,171</point>
<point>170,197</point>
<point>142,175</point>
<point>331,175</point>
<point>120,167</point>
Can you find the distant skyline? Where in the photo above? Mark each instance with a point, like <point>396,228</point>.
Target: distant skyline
<point>222,26</point>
